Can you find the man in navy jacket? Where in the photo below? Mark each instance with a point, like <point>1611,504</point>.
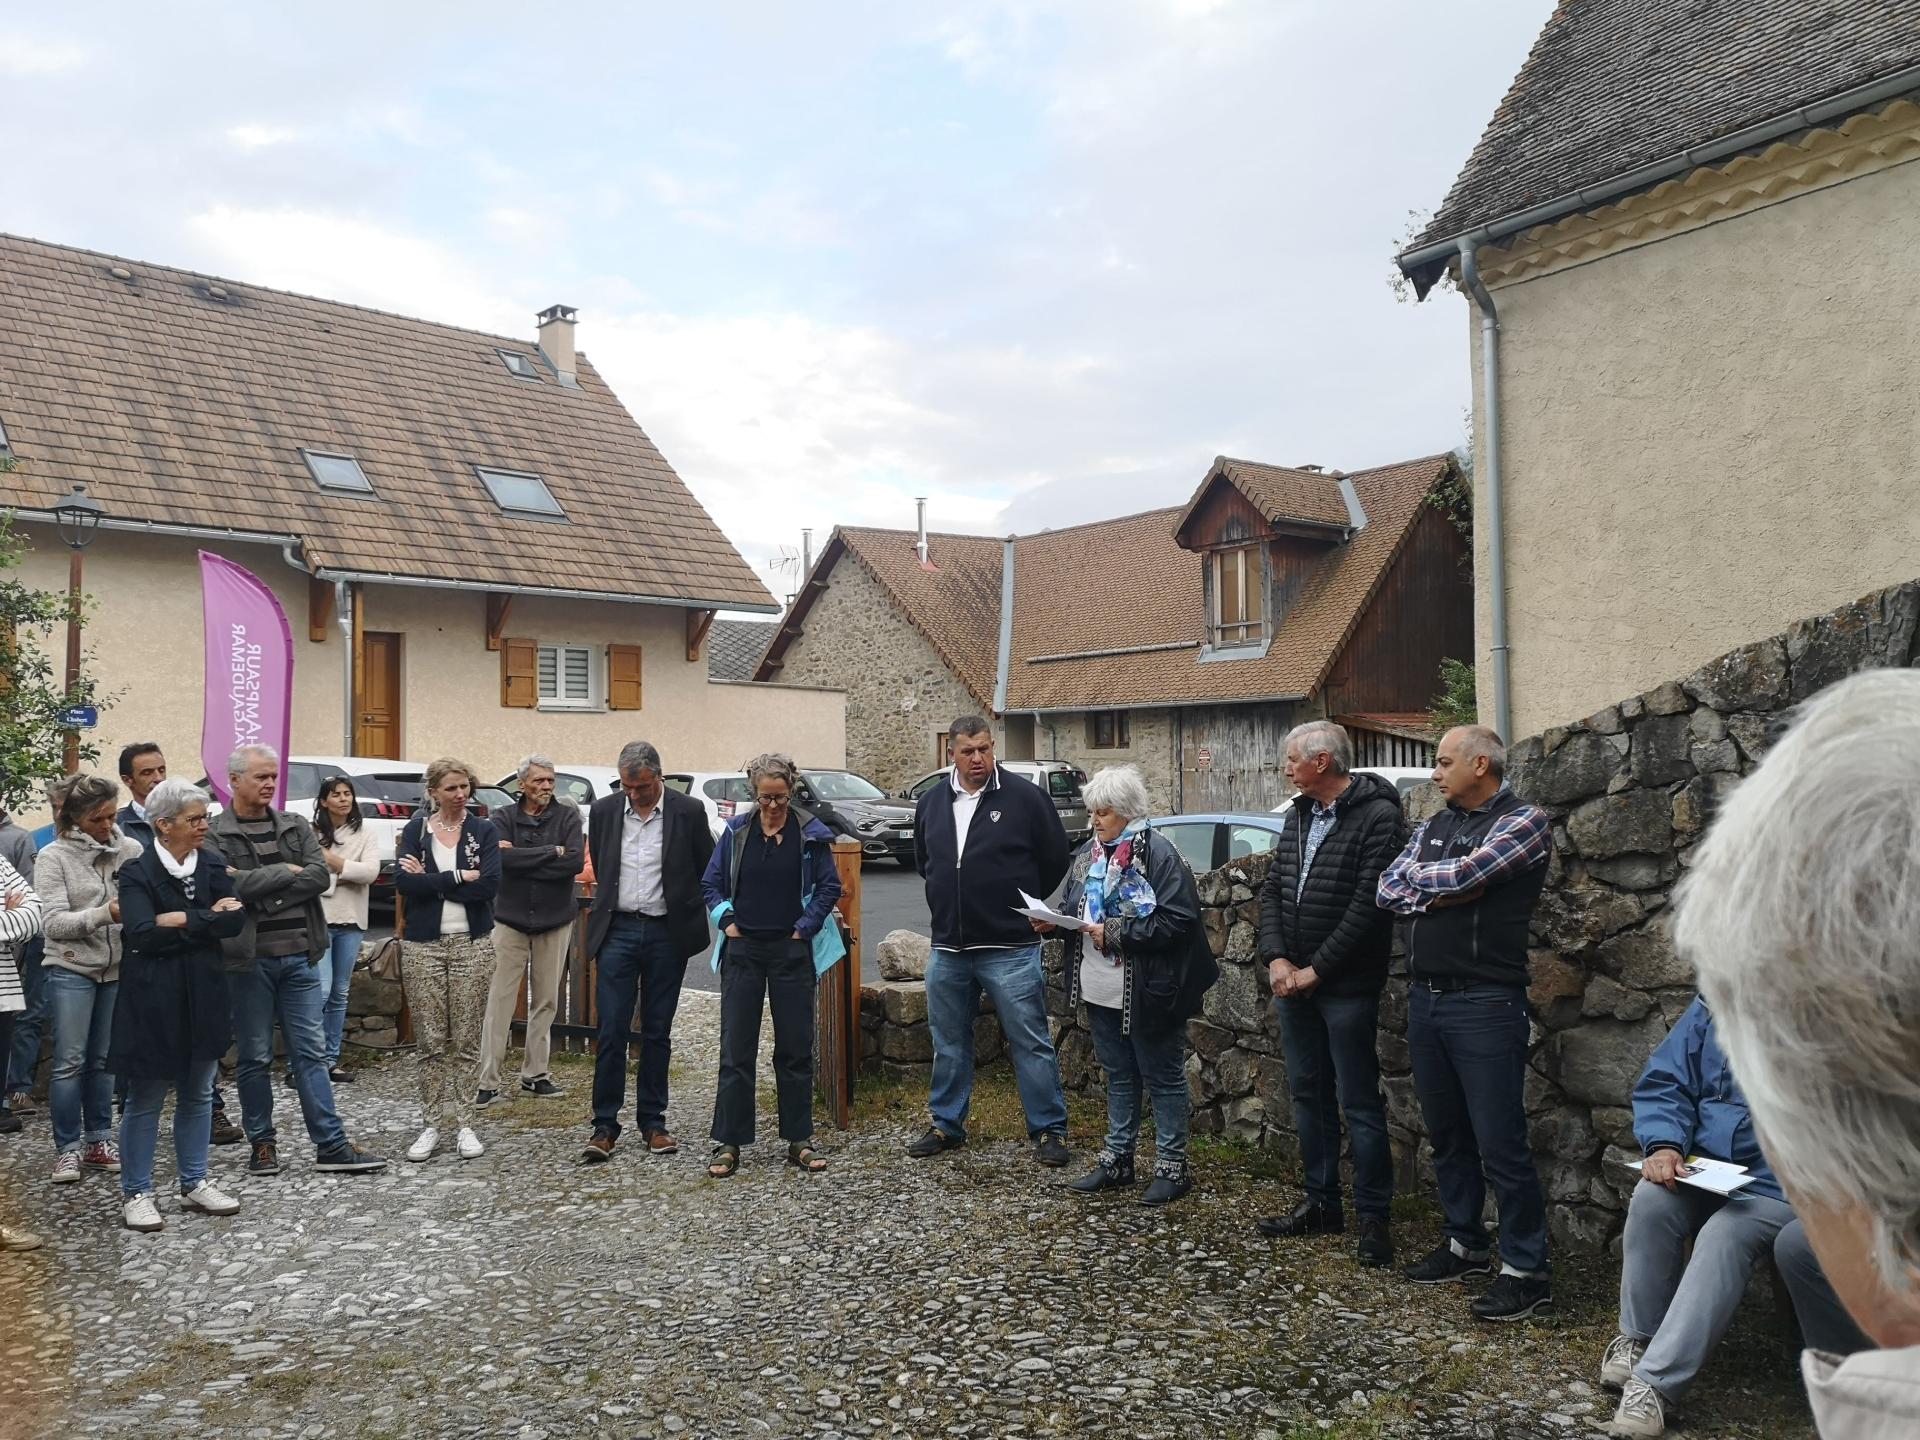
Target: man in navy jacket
<point>980,839</point>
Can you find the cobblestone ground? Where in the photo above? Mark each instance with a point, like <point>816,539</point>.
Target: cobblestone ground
<point>524,1295</point>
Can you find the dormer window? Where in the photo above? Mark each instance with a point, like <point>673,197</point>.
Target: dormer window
<point>1238,597</point>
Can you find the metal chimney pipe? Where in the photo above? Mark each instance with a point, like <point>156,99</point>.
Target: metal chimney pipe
<point>920,506</point>
<point>806,553</point>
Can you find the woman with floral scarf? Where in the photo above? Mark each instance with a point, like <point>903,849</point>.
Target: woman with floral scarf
<point>1142,965</point>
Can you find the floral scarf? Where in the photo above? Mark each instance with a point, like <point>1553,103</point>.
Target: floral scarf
<point>1118,885</point>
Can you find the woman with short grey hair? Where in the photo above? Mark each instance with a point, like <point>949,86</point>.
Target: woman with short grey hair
<point>1800,911</point>
<point>1142,965</point>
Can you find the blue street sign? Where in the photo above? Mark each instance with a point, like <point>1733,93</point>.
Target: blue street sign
<point>80,717</point>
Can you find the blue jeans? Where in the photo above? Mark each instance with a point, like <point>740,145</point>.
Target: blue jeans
<point>1333,1066</point>
<point>1135,1063</point>
<point>81,1095</point>
<point>1469,1051</point>
<point>637,962</point>
<point>336,983</point>
<point>24,1054</point>
<point>286,988</point>
<point>1011,975</point>
<point>192,1127</point>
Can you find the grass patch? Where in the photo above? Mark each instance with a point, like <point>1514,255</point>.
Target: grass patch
<point>885,1103</point>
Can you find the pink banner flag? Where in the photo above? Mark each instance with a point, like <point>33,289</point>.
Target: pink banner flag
<point>249,667</point>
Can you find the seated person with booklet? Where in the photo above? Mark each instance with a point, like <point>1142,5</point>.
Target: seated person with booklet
<point>1674,1309</point>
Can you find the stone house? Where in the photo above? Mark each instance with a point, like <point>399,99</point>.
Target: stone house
<point>1272,596</point>
<point>479,552</point>
<point>1686,237</point>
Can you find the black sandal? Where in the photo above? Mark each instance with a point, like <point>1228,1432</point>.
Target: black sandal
<point>725,1161</point>
<point>804,1157</point>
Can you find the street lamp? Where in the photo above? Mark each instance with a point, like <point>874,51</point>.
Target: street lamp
<point>78,517</point>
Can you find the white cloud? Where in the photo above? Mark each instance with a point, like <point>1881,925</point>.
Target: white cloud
<point>260,137</point>
<point>23,56</point>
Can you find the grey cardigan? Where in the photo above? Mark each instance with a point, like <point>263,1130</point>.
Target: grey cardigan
<point>276,888</point>
<point>74,878</point>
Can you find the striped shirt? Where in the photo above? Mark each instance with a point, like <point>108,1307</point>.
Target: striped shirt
<point>285,933</point>
<point>1517,842</point>
<point>19,924</point>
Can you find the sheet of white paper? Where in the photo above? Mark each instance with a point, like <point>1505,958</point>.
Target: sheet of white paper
<point>1037,910</point>
<point>1719,1177</point>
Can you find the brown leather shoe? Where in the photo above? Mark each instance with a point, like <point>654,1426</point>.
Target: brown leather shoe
<point>659,1142</point>
<point>599,1149</point>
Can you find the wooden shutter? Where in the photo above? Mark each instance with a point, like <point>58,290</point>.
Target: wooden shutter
<point>623,677</point>
<point>519,673</point>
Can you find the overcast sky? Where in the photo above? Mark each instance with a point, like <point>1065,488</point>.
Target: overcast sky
<point>1037,261</point>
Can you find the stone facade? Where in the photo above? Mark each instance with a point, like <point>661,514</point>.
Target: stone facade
<point>1153,744</point>
<point>900,695</point>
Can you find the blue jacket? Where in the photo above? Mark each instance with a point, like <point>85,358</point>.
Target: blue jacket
<point>820,876</point>
<point>1687,1100</point>
<point>479,849</point>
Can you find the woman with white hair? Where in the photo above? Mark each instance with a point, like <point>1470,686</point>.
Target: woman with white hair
<point>770,889</point>
<point>1800,912</point>
<point>1142,964</point>
<point>171,1025</point>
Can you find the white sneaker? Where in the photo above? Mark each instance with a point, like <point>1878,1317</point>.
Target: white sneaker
<point>140,1213</point>
<point>208,1199</point>
<point>1616,1366</point>
<point>470,1146</point>
<point>66,1168</point>
<point>428,1142</point>
<point>1640,1414</point>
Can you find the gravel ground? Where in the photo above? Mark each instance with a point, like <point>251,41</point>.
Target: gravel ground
<point>524,1295</point>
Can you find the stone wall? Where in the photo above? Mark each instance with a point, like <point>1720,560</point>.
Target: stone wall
<point>900,695</point>
<point>1153,745</point>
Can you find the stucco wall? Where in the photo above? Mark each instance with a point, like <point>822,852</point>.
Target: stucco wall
<point>145,631</point>
<point>900,695</point>
<point>1154,746</point>
<point>1705,437</point>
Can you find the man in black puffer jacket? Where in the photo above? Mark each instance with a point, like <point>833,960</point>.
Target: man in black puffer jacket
<point>1326,943</point>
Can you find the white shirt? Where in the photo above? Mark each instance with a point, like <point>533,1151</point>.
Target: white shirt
<point>965,802</point>
<point>453,913</point>
<point>642,882</point>
<point>1103,981</point>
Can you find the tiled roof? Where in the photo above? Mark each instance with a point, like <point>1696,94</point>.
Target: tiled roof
<point>734,647</point>
<point>1279,492</point>
<point>1151,606</point>
<point>1613,86</point>
<point>175,405</point>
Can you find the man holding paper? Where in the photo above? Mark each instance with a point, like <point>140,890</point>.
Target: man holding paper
<point>1674,1309</point>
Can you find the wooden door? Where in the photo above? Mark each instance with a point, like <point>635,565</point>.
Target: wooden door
<point>377,722</point>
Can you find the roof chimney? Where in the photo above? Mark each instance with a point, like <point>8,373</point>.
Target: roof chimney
<point>556,340</point>
<point>920,506</point>
<point>1313,469</point>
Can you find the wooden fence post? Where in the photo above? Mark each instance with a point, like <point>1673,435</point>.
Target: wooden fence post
<point>837,1043</point>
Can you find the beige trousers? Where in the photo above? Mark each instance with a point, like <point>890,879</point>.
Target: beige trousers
<point>516,957</point>
<point>446,985</point>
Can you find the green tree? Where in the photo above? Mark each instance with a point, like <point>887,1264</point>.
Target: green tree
<point>1456,703</point>
<point>32,690</point>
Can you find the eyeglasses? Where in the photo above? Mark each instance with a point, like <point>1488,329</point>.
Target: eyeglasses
<point>770,801</point>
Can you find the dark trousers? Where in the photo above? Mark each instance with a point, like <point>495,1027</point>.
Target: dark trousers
<point>1469,1052</point>
<point>1333,1066</point>
<point>781,972</point>
<point>21,1055</point>
<point>637,962</point>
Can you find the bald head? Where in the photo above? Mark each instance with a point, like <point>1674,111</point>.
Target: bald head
<point>1469,765</point>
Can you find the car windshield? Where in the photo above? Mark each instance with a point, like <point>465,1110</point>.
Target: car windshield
<point>394,789</point>
<point>1062,785</point>
<point>728,787</point>
<point>842,785</point>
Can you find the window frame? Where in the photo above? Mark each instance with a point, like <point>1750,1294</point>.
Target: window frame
<point>486,473</point>
<point>532,373</point>
<point>595,698</point>
<point>6,445</point>
<point>1118,727</point>
<point>365,487</point>
<point>1249,565</point>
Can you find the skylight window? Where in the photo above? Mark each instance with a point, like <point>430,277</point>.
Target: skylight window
<point>337,472</point>
<point>6,448</point>
<point>520,492</point>
<point>524,367</point>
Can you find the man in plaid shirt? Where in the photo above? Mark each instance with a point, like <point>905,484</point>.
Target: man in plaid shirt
<point>1467,884</point>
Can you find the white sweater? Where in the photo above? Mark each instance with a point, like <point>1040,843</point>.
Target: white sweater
<point>345,900</point>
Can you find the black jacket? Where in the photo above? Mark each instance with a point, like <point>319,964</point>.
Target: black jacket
<point>685,848</point>
<point>1014,843</point>
<point>1168,963</point>
<point>1484,941</point>
<point>1335,925</point>
<point>477,849</point>
<point>536,885</point>
<point>173,983</point>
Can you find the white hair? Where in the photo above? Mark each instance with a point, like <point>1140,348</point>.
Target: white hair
<point>1801,913</point>
<point>170,799</point>
<point>238,762</point>
<point>1324,737</point>
<point>530,762</point>
<point>1119,788</point>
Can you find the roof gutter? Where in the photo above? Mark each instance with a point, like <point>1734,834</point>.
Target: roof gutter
<point>1005,659</point>
<point>290,547</point>
<point>1487,463</point>
<point>1157,705</point>
<point>1423,266</point>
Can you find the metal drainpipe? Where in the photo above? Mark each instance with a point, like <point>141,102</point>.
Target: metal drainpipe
<point>343,612</point>
<point>1486,462</point>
